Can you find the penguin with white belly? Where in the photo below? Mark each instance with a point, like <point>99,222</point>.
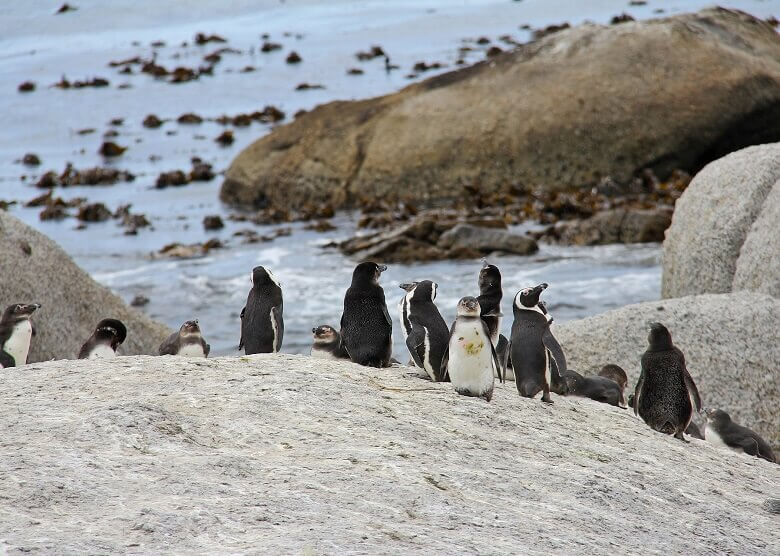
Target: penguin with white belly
<point>104,341</point>
<point>16,332</point>
<point>471,361</point>
<point>428,335</point>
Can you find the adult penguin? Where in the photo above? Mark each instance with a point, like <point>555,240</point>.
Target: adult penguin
<point>262,323</point>
<point>428,337</point>
<point>490,295</point>
<point>665,396</point>
<point>366,328</point>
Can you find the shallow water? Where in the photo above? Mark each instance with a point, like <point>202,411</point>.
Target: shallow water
<point>41,47</point>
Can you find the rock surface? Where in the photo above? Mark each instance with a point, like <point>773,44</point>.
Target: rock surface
<point>35,269</point>
<point>561,112</point>
<point>288,454</point>
<point>613,226</point>
<point>725,233</point>
<point>730,342</point>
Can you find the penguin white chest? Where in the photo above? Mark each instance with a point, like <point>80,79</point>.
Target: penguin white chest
<point>320,353</point>
<point>191,350</point>
<point>470,363</point>
<point>18,344</point>
<point>712,436</point>
<point>101,351</point>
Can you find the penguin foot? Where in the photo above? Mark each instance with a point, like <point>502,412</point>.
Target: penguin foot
<point>547,400</point>
<point>679,436</point>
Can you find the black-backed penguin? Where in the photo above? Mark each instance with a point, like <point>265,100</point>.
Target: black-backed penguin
<point>665,395</point>
<point>490,295</point>
<point>598,388</point>
<point>262,321</point>
<point>721,431</point>
<point>104,341</point>
<point>537,357</point>
<point>692,430</point>
<point>471,361</point>
<point>187,342</point>
<point>327,343</point>
<point>16,332</point>
<point>616,373</point>
<point>428,336</point>
<point>366,328</point>
<point>403,308</point>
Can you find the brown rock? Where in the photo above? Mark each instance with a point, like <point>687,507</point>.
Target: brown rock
<point>151,121</point>
<point>173,178</point>
<point>111,149</point>
<point>485,240</point>
<point>270,46</point>
<point>213,222</point>
<point>31,159</point>
<point>614,226</point>
<point>65,8</point>
<point>201,171</point>
<point>201,39</point>
<point>189,118</point>
<point>95,212</point>
<point>293,58</point>
<point>53,212</point>
<point>584,99</point>
<point>26,87</point>
<point>225,138</point>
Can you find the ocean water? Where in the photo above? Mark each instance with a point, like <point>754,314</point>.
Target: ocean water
<point>39,46</point>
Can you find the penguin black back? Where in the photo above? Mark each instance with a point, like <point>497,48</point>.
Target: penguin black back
<point>109,333</point>
<point>665,394</point>
<point>366,328</point>
<point>262,322</point>
<point>490,294</point>
<point>736,437</point>
<point>429,335</point>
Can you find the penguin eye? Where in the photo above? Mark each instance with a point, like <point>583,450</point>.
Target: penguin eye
<point>18,308</point>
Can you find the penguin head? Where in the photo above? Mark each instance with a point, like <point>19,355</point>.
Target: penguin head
<point>489,277</point>
<point>113,330</point>
<point>616,373</point>
<point>20,311</point>
<point>469,307</point>
<point>368,273</point>
<point>659,337</point>
<point>324,334</point>
<point>408,286</point>
<point>528,298</point>
<point>261,276</point>
<point>425,291</point>
<point>189,328</point>
<point>716,417</point>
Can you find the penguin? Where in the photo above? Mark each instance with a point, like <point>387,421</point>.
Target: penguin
<point>471,361</point>
<point>490,294</point>
<point>665,395</point>
<point>403,308</point>
<point>187,342</point>
<point>598,388</point>
<point>262,322</point>
<point>692,430</point>
<point>537,357</point>
<point>428,336</point>
<point>104,341</point>
<point>366,328</point>
<point>616,373</point>
<point>327,343</point>
<point>721,431</point>
<point>16,332</point>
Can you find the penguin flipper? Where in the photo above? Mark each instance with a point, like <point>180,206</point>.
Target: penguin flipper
<point>206,347</point>
<point>415,341</point>
<point>169,347</point>
<point>6,360</point>
<point>694,392</point>
<point>276,315</point>
<point>750,446</point>
<point>555,350</point>
<point>499,368</point>
<point>444,375</point>
<point>638,392</point>
<point>241,339</point>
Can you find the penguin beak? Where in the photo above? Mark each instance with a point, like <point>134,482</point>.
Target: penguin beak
<point>381,267</point>
<point>408,286</point>
<point>541,287</point>
<point>484,263</point>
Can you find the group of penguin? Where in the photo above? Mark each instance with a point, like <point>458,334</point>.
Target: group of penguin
<point>470,354</point>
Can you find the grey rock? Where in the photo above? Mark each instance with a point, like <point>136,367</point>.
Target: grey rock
<point>730,342</point>
<point>293,455</point>
<point>724,233</point>
<point>35,269</point>
<point>614,226</point>
<point>563,111</point>
<point>466,236</point>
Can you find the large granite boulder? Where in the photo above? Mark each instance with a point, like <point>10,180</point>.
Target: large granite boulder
<point>33,268</point>
<point>730,342</point>
<point>725,233</point>
<point>293,455</point>
<point>561,112</point>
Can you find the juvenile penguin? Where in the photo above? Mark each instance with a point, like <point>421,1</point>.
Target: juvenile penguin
<point>537,357</point>
<point>692,430</point>
<point>428,337</point>
<point>598,388</point>
<point>721,431</point>
<point>471,361</point>
<point>187,342</point>
<point>490,295</point>
<point>16,332</point>
<point>665,395</point>
<point>366,328</point>
<point>327,343</point>
<point>104,341</point>
<point>262,323</point>
<point>616,373</point>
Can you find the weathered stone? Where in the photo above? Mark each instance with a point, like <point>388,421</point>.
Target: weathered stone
<point>724,233</point>
<point>486,240</point>
<point>729,341</point>
<point>613,226</point>
<point>169,454</point>
<point>561,112</point>
<point>72,302</point>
